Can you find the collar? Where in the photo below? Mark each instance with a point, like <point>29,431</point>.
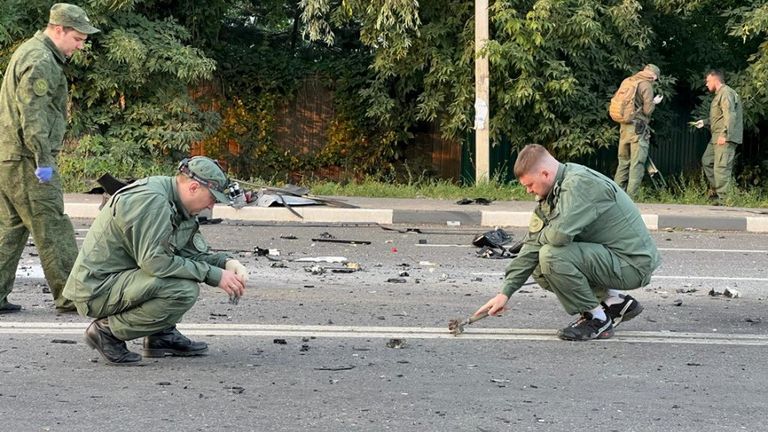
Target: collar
<point>555,192</point>
<point>181,210</point>
<point>51,46</point>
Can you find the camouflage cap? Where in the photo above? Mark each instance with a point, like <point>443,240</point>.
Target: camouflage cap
<point>69,15</point>
<point>653,68</point>
<point>209,173</point>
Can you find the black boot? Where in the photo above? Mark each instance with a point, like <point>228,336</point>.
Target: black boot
<point>9,308</point>
<point>99,337</point>
<point>171,342</point>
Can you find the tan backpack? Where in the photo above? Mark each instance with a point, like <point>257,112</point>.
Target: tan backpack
<point>622,107</point>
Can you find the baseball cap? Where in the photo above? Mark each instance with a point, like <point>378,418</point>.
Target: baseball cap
<point>69,15</point>
<point>653,68</point>
<point>209,173</point>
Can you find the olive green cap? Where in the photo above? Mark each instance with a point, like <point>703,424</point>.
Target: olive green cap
<point>69,15</point>
<point>209,173</point>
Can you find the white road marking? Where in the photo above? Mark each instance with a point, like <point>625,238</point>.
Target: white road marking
<point>656,277</point>
<point>713,250</point>
<point>267,330</point>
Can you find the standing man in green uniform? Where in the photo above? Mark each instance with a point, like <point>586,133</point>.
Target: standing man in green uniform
<point>634,137</point>
<point>141,262</point>
<point>726,124</point>
<point>586,243</point>
<point>33,118</point>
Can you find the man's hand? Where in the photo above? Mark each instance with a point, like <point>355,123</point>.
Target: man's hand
<point>721,140</point>
<point>657,99</point>
<point>698,124</point>
<point>231,284</point>
<point>238,268</point>
<point>44,174</point>
<point>494,305</point>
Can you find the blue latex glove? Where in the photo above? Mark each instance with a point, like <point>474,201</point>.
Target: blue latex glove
<point>44,174</point>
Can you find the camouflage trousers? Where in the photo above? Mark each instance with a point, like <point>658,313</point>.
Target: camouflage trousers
<point>581,273</point>
<point>633,153</point>
<point>26,205</point>
<point>138,304</point>
<point>717,163</point>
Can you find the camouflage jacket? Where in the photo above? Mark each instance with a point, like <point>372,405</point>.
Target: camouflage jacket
<point>33,103</point>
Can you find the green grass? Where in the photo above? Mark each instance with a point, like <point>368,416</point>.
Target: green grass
<point>681,190</point>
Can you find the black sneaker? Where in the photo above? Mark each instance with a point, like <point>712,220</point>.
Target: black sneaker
<point>623,311</point>
<point>587,328</point>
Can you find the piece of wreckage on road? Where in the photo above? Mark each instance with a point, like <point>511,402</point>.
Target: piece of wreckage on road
<point>493,243</point>
<point>241,194</point>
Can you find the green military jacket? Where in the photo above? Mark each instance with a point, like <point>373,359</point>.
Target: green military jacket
<point>726,117</point>
<point>33,103</point>
<point>143,226</point>
<point>584,206</point>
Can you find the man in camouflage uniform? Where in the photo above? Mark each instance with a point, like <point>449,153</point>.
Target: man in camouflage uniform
<point>726,124</point>
<point>634,138</point>
<point>33,104</point>
<point>142,260</point>
<point>586,243</point>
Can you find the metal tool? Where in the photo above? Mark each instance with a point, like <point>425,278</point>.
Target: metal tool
<point>457,327</point>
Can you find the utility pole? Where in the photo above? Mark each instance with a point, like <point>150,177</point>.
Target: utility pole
<point>482,93</point>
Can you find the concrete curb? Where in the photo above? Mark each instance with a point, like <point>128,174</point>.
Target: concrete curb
<point>469,217</point>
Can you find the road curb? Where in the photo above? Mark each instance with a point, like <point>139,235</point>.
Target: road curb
<point>478,218</point>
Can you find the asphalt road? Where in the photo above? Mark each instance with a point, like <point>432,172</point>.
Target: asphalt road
<point>364,353</point>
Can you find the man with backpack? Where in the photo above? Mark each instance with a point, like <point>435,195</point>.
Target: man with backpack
<point>631,107</point>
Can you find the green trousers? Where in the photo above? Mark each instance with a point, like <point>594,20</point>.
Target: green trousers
<point>26,205</point>
<point>581,273</point>
<point>633,152</point>
<point>717,163</point>
<point>138,304</point>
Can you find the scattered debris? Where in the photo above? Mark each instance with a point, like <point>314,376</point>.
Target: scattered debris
<point>403,274</point>
<point>678,302</point>
<point>396,343</point>
<point>491,244</point>
<point>500,381</point>
<point>453,223</point>
<point>235,389</point>
<point>481,201</point>
<point>164,383</point>
<point>265,252</point>
<point>396,280</point>
<point>315,269</point>
<point>727,292</point>
<point>63,341</point>
<point>334,368</point>
<point>288,237</point>
<point>686,290</point>
<point>335,240</point>
<point>753,320</point>
<point>304,348</point>
<point>325,259</point>
<point>456,327</point>
<point>279,342</point>
<point>279,264</point>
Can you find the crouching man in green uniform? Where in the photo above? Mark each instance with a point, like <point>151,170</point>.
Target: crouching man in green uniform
<point>586,243</point>
<point>138,270</point>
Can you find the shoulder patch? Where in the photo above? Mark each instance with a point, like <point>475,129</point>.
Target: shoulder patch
<point>200,244</point>
<point>40,87</point>
<point>536,224</point>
